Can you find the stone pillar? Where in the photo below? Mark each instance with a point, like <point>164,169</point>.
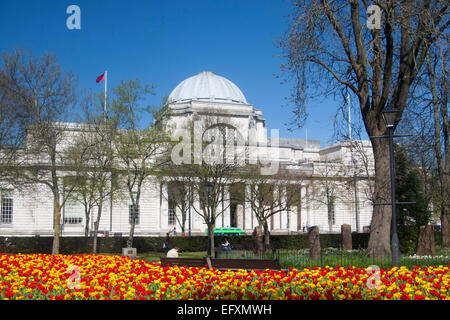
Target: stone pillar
<point>299,211</point>
<point>276,216</point>
<point>303,210</point>
<point>240,216</point>
<point>258,240</point>
<point>425,245</point>
<point>314,243</point>
<point>346,232</point>
<point>220,208</point>
<point>164,209</point>
<point>225,216</point>
<point>292,216</point>
<point>248,214</point>
<point>283,213</point>
<point>197,222</point>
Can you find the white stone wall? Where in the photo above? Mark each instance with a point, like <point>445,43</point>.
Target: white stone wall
<point>33,205</point>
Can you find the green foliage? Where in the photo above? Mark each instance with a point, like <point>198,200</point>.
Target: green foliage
<point>74,245</point>
<point>409,188</point>
<point>114,245</point>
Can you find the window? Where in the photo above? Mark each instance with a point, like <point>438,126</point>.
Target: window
<point>171,216</point>
<point>134,209</point>
<point>73,213</point>
<point>172,208</point>
<point>6,207</point>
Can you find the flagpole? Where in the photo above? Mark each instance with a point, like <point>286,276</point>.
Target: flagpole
<point>355,181</point>
<point>106,84</point>
<point>349,118</point>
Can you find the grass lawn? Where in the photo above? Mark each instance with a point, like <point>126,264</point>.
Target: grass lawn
<point>329,257</point>
<point>150,256</point>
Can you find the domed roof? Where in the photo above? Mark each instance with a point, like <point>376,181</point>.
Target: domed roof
<point>207,86</point>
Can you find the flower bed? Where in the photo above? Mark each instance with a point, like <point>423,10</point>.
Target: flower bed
<point>39,276</point>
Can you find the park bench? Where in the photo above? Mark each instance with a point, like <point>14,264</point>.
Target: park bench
<point>241,249</point>
<point>184,262</point>
<point>246,264</point>
<point>223,264</point>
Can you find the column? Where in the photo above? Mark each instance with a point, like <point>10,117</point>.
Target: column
<point>248,214</point>
<point>276,217</point>
<point>226,204</point>
<point>304,208</point>
<point>240,216</point>
<point>283,213</point>
<point>164,208</point>
<point>292,212</point>
<point>198,223</point>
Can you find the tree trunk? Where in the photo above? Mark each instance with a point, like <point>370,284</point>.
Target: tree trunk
<point>266,234</point>
<point>136,209</point>
<point>445,232</point>
<point>131,235</point>
<point>211,240</point>
<point>258,243</point>
<point>380,227</point>
<point>445,208</point>
<point>94,244</point>
<point>96,225</point>
<point>425,243</point>
<point>87,213</point>
<point>57,223</point>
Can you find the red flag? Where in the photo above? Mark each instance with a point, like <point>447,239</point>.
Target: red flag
<point>100,78</point>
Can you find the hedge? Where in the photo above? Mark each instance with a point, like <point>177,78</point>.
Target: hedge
<point>114,245</point>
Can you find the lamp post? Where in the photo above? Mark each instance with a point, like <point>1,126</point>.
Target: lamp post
<point>189,195</point>
<point>389,116</point>
<point>209,187</point>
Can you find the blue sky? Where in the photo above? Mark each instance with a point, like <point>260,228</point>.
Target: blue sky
<point>165,42</point>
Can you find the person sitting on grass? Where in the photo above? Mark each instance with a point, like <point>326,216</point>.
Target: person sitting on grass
<point>226,245</point>
<point>173,253</point>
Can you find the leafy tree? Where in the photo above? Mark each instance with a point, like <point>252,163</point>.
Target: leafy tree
<point>409,188</point>
<point>427,121</point>
<point>139,148</point>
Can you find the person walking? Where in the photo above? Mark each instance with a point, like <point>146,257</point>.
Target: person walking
<point>166,245</point>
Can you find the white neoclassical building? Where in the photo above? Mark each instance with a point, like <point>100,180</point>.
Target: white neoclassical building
<point>344,167</point>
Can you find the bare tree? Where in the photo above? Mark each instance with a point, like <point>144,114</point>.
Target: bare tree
<point>427,121</point>
<point>94,150</point>
<point>44,93</point>
<point>272,194</point>
<point>378,64</point>
<point>139,149</point>
<point>206,165</point>
<point>12,130</point>
<point>180,200</point>
<point>331,184</point>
